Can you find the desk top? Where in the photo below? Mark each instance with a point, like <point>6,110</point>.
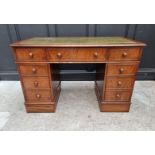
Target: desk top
<point>77,42</point>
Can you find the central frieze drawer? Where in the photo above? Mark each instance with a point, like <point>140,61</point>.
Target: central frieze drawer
<point>76,54</point>
<point>91,54</point>
<point>61,54</point>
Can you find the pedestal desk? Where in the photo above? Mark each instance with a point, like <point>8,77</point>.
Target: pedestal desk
<point>116,58</point>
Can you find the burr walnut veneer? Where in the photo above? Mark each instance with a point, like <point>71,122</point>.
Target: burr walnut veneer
<point>116,58</point>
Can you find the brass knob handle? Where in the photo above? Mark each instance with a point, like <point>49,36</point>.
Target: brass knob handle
<point>31,55</point>
<point>38,96</point>
<point>118,95</point>
<point>36,84</point>
<point>34,70</point>
<point>124,54</point>
<point>59,55</point>
<point>121,70</point>
<point>95,54</point>
<point>119,83</point>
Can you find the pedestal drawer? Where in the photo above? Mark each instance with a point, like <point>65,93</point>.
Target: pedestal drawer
<point>118,95</point>
<point>36,82</point>
<point>120,82</point>
<point>122,69</point>
<point>38,95</point>
<point>33,70</point>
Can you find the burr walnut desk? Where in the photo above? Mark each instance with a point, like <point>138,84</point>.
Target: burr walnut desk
<point>116,58</point>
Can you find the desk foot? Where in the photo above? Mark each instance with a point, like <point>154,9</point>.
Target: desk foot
<point>115,107</point>
<point>32,108</point>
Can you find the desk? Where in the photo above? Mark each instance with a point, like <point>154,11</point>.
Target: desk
<point>116,58</point>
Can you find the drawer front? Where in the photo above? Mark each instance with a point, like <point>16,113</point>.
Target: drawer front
<point>61,54</point>
<point>91,54</point>
<point>122,69</point>
<point>76,54</point>
<point>37,96</point>
<point>118,95</point>
<point>119,82</point>
<point>34,70</point>
<point>36,82</point>
<point>30,54</point>
<point>125,54</point>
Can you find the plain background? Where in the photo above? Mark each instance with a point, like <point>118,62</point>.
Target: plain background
<point>77,12</point>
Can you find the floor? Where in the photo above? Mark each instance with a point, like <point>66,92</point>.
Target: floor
<point>77,110</point>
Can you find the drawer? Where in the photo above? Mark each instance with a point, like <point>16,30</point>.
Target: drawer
<point>117,95</point>
<point>122,69</point>
<point>76,55</point>
<point>35,82</point>
<point>38,96</point>
<point>91,54</point>
<point>35,70</point>
<point>61,54</point>
<point>30,54</point>
<point>119,82</point>
<point>125,54</point>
